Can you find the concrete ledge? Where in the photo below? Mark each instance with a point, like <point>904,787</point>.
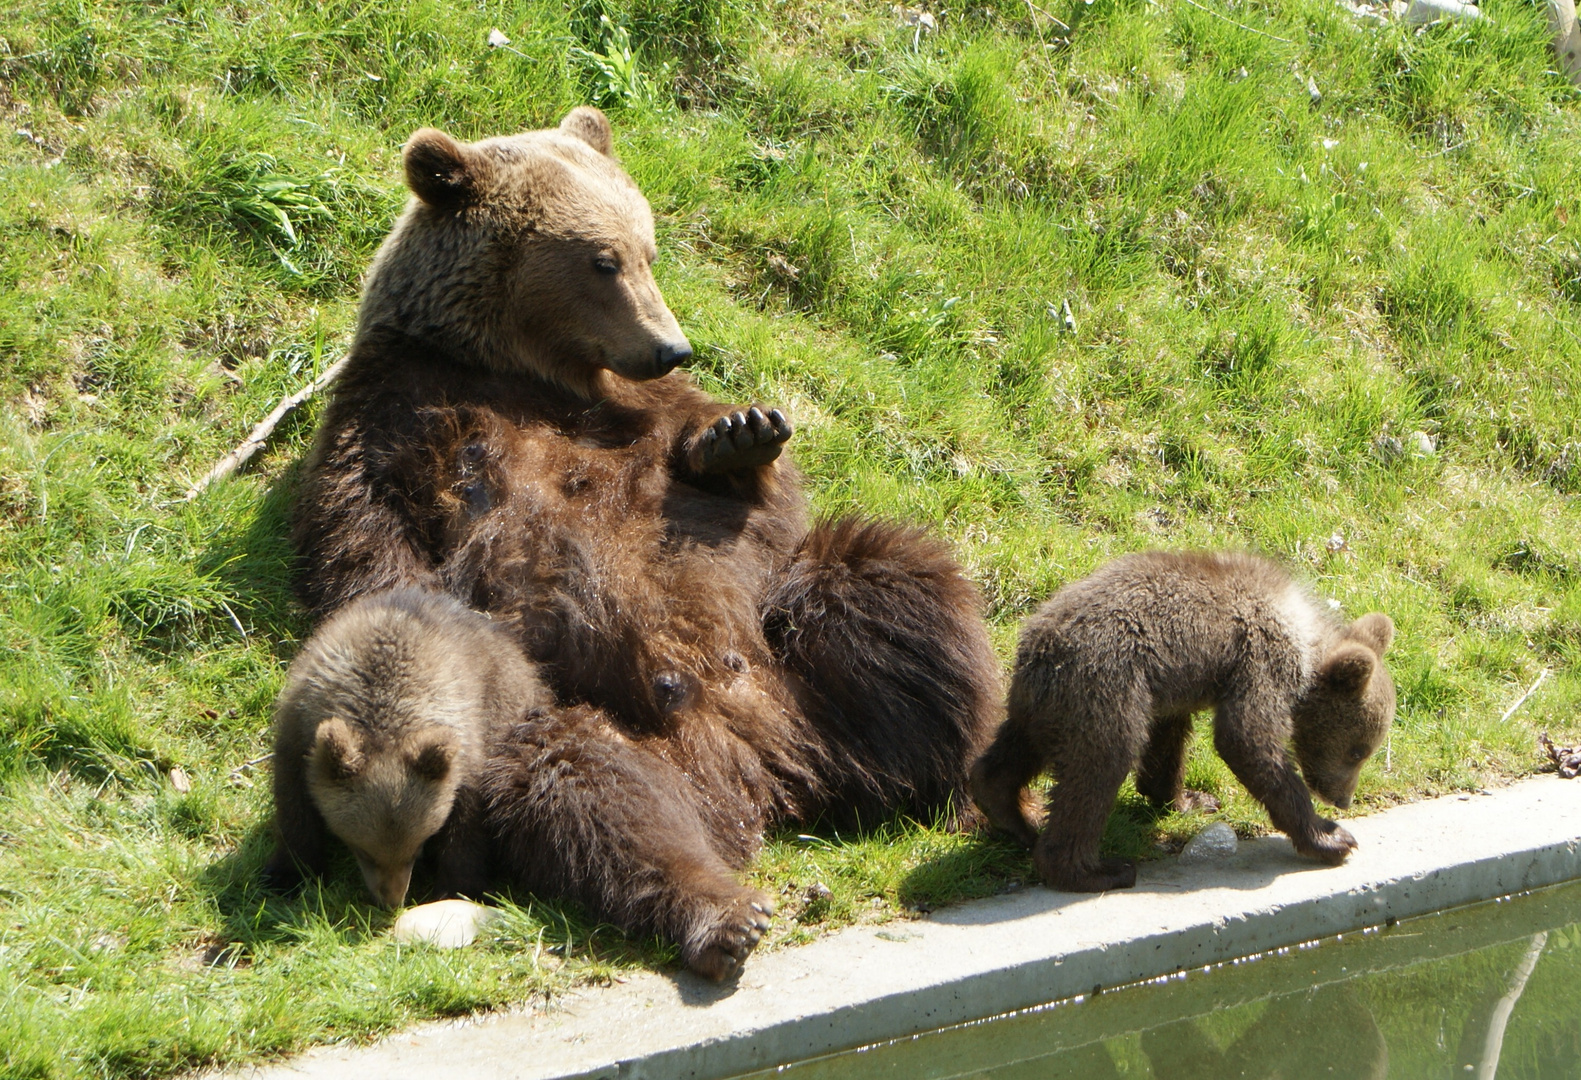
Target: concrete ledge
<point>993,956</point>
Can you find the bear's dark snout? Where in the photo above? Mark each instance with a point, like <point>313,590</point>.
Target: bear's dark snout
<point>672,355</point>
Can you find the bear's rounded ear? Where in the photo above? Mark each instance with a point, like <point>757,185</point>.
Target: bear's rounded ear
<point>338,749</point>
<point>592,127</point>
<point>432,759</point>
<point>439,170</point>
<point>1375,631</point>
<point>1348,668</point>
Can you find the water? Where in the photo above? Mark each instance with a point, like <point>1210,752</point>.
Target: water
<point>1490,990</point>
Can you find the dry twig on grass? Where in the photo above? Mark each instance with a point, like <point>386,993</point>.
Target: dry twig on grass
<point>1530,690</point>
<point>259,435</point>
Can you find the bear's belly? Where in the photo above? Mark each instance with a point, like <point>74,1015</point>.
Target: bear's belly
<point>635,591</point>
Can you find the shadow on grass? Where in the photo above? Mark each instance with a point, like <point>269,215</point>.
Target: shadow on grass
<point>337,904</point>
<point>986,865</point>
<point>255,565</point>
<point>252,916</point>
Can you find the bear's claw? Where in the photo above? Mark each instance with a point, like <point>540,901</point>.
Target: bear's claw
<point>1331,842</point>
<point>741,440</point>
<point>718,949</point>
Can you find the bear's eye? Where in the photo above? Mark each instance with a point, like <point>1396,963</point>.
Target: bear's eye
<point>1358,753</point>
<point>606,265</point>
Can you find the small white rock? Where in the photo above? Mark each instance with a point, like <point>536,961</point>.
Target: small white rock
<point>1426,445</point>
<point>1426,12</point>
<point>445,924</point>
<point>1217,841</point>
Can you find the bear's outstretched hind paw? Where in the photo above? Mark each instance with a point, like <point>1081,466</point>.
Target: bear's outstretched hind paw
<point>722,941</point>
<point>740,440</point>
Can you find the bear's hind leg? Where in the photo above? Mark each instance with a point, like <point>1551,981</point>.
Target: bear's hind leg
<point>1161,775</point>
<point>1091,748</point>
<point>999,779</point>
<point>886,643</point>
<point>578,809</point>
<point>1066,855</point>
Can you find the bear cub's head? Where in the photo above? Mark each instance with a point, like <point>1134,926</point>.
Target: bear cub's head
<point>527,253</point>
<point>383,798</point>
<point>389,704</point>
<point>1344,714</point>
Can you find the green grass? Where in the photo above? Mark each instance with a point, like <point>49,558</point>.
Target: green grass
<point>1275,299</point>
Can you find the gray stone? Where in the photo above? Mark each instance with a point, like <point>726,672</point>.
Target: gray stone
<point>1217,841</point>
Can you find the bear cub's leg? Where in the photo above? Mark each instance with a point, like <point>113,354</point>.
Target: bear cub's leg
<point>741,439</point>
<point>461,851</point>
<point>999,780</point>
<point>1066,855</point>
<point>1270,779</point>
<point>301,837</point>
<point>1161,775</point>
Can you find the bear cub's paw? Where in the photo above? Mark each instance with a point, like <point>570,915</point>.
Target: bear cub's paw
<point>1331,842</point>
<point>1105,875</point>
<point>740,440</point>
<point>724,938</point>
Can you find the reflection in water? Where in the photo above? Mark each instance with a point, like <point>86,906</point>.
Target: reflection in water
<point>1484,992</point>
<point>1329,1033</point>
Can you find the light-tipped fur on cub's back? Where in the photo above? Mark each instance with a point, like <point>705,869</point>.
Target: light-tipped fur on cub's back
<point>379,733</point>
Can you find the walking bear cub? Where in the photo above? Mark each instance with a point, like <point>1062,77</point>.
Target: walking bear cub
<point>510,428</point>
<point>1110,670</point>
<point>380,735</point>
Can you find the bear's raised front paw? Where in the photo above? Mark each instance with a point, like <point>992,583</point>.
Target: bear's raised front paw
<point>740,440</point>
<point>1105,875</point>
<point>718,948</point>
<point>1330,843</point>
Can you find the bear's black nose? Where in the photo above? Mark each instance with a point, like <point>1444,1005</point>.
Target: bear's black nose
<point>671,356</point>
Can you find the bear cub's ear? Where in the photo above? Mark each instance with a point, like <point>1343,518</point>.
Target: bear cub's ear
<point>592,127</point>
<point>338,749</point>
<point>432,758</point>
<point>1348,668</point>
<point>1375,631</point>
<point>438,169</point>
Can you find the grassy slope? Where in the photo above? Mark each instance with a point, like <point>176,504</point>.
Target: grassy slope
<point>1272,297</point>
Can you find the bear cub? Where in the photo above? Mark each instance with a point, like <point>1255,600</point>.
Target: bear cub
<point>1110,670</point>
<point>380,734</point>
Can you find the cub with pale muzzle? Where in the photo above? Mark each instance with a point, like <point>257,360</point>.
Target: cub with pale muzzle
<point>380,733</point>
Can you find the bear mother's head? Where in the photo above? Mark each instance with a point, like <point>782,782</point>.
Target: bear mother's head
<point>530,252</point>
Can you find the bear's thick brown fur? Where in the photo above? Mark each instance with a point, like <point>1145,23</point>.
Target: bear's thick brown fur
<point>1110,670</point>
<point>380,738</point>
<point>509,429</point>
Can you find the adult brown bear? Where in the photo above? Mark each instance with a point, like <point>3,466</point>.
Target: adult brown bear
<point>509,428</point>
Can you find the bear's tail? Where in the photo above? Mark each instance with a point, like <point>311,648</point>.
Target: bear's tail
<point>885,643</point>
